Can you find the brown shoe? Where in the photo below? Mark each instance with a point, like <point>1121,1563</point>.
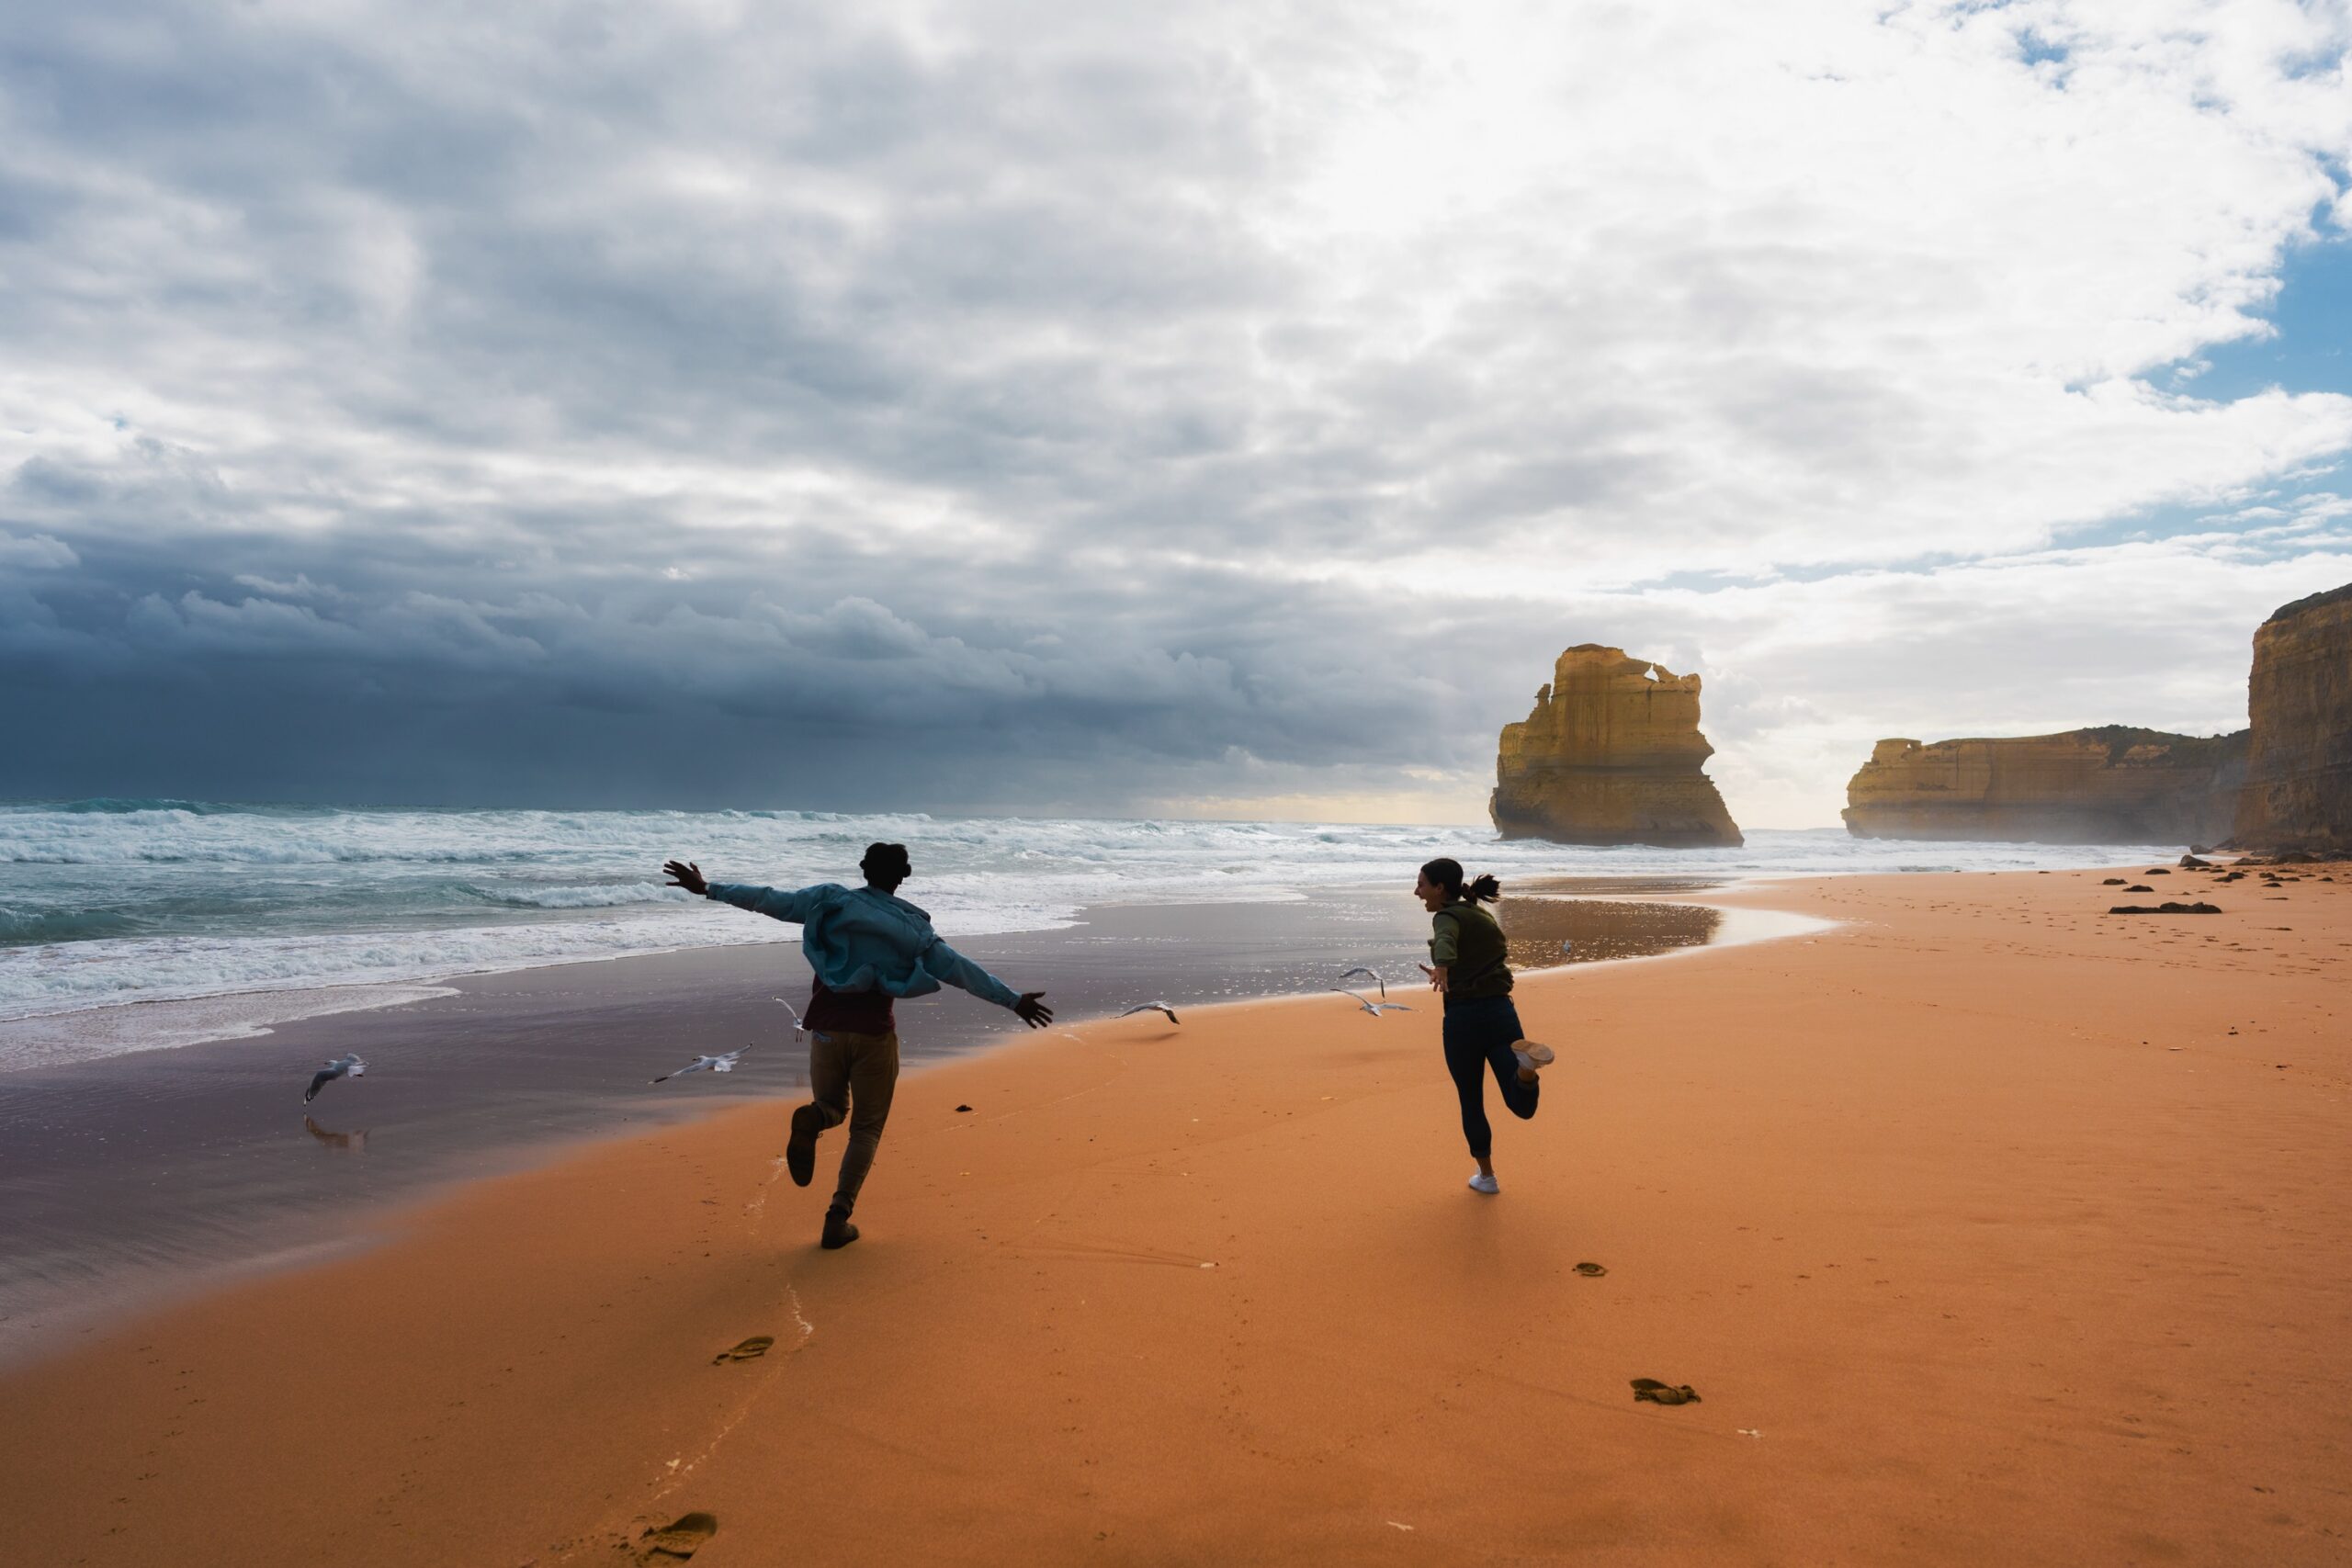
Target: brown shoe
<point>838,1232</point>
<point>800,1149</point>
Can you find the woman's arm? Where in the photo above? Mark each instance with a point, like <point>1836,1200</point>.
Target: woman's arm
<point>1445,946</point>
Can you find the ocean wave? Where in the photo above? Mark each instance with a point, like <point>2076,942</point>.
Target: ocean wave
<point>118,900</point>
<point>584,898</point>
<point>109,806</point>
<point>41,981</point>
<point>45,981</point>
<point>21,928</point>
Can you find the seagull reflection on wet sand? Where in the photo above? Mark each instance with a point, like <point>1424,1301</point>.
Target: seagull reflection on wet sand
<point>356,1141</point>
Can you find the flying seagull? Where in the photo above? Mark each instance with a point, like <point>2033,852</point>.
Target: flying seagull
<point>1151,1006</point>
<point>342,1066</point>
<point>719,1063</point>
<point>1375,975</point>
<point>1375,1008</point>
<point>799,1027</point>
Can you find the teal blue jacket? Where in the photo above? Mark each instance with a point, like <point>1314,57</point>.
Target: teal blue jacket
<point>861,939</point>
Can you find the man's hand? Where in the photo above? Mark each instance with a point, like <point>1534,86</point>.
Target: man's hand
<point>1033,1010</point>
<point>1437,976</point>
<point>686,874</point>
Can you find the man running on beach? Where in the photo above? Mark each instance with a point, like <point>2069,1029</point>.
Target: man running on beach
<point>866,946</point>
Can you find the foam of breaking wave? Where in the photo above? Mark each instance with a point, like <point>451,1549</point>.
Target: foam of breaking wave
<point>67,978</point>
<point>57,1039</point>
<point>602,898</point>
<point>113,902</point>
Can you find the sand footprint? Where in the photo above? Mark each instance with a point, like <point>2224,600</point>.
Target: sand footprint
<point>680,1538</point>
<point>758,1345</point>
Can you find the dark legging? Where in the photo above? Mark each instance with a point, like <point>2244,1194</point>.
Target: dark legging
<point>1479,1033</point>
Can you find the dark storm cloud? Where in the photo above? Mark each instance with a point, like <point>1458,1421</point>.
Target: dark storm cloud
<point>620,693</point>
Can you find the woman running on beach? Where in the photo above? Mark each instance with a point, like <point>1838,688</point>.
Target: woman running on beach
<point>1470,969</point>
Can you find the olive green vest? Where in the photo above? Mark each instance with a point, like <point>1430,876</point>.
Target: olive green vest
<point>1481,965</point>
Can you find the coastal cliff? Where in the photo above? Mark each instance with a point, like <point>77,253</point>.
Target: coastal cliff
<point>1612,754</point>
<point>2297,790</point>
<point>2112,785</point>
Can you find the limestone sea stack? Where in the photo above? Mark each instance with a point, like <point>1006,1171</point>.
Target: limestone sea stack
<point>2298,792</point>
<point>1612,754</point>
<point>2114,784</point>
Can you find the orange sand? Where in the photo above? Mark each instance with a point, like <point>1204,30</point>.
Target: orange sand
<point>1969,1264</point>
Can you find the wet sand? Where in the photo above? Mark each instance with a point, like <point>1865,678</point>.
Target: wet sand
<point>1989,1227</point>
<point>128,1179</point>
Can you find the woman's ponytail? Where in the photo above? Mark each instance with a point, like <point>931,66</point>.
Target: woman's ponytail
<point>1446,871</point>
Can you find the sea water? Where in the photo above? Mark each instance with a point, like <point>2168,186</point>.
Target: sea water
<point>241,916</point>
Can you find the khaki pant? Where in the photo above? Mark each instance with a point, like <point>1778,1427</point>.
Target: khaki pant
<point>852,1078</point>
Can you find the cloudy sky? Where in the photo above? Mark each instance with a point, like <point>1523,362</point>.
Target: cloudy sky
<point>1199,409</point>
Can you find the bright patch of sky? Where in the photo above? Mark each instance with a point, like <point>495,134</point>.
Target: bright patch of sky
<point>2308,332</point>
<point>1018,405</point>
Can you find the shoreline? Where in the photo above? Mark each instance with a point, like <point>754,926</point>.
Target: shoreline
<point>131,1181</point>
<point>49,1029</point>
<point>307,1004</point>
<point>1989,1228</point>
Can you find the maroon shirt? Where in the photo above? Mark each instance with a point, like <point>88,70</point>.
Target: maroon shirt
<point>851,1012</point>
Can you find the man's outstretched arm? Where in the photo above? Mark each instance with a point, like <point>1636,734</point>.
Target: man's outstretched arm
<point>781,904</point>
<point>945,964</point>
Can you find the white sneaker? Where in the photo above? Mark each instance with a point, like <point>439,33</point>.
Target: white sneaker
<point>1482,1182</point>
<point>1532,1057</point>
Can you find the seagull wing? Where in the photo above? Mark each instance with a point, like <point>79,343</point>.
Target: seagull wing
<point>320,1080</point>
<point>1352,997</point>
<point>1373,975</point>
